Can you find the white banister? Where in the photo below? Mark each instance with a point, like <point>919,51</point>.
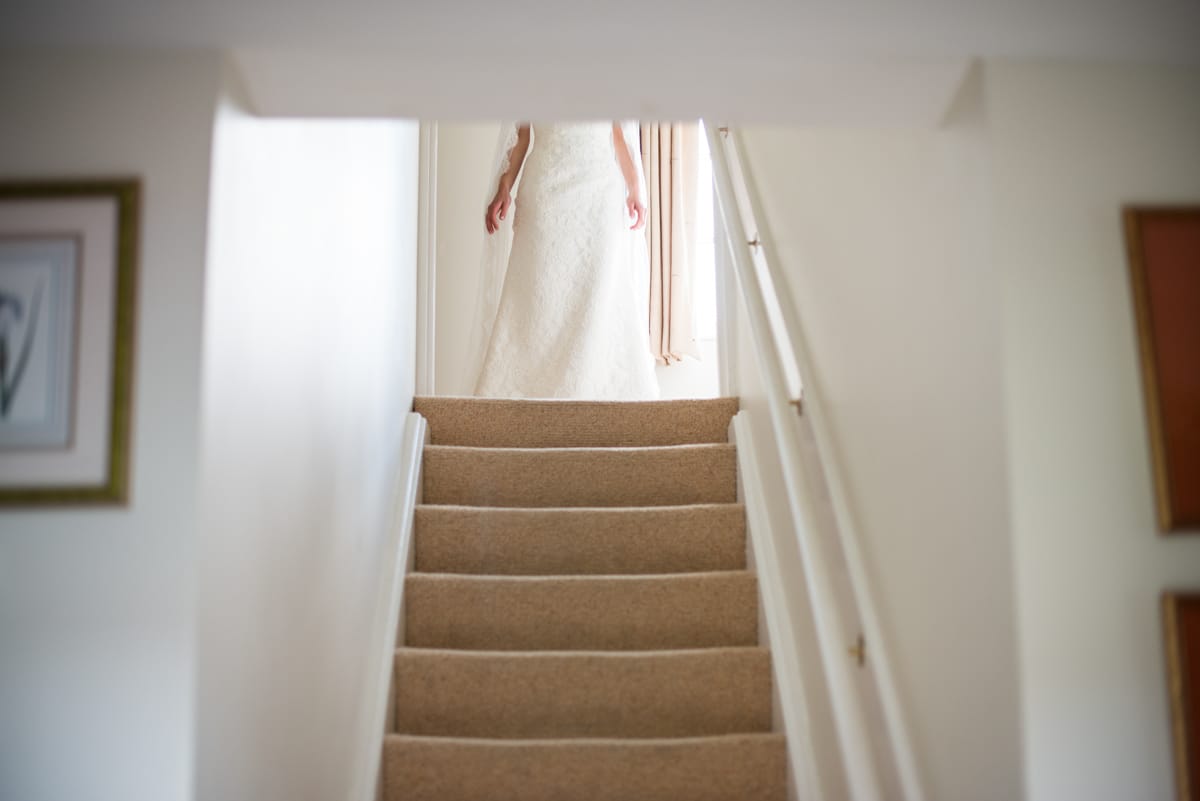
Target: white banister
<point>781,349</point>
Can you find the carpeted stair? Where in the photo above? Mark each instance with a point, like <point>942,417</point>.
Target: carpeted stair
<point>580,624</point>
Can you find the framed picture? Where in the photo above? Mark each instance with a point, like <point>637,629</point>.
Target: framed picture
<point>68,273</point>
<point>1164,263</point>
<point>1181,623</point>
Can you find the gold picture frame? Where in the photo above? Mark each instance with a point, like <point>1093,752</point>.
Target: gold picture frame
<point>1181,614</point>
<point>87,461</point>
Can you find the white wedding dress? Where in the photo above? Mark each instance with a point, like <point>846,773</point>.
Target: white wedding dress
<point>569,323</point>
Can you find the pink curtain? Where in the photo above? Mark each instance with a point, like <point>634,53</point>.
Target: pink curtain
<point>671,157</point>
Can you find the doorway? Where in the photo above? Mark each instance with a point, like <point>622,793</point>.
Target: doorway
<point>457,166</point>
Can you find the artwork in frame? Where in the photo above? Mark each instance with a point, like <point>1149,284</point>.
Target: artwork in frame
<point>1164,263</point>
<point>1181,629</point>
<point>68,272</point>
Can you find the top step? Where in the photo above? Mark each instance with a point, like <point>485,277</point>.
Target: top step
<point>500,423</point>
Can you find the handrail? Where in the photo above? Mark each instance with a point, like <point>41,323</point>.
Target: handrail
<point>778,313</point>
<point>862,774</point>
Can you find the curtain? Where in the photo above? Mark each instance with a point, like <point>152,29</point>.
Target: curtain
<point>671,157</point>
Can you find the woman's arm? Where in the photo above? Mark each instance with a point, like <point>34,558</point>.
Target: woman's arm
<point>497,210</point>
<point>635,204</point>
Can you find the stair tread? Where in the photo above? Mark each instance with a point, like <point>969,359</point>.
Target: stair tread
<point>495,422</point>
<point>530,694</point>
<point>682,447</point>
<point>585,578</point>
<point>584,742</point>
<point>610,612</point>
<point>566,511</point>
<point>745,767</point>
<point>582,652</point>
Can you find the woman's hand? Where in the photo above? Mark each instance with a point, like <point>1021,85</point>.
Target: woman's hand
<point>497,210</point>
<point>636,210</point>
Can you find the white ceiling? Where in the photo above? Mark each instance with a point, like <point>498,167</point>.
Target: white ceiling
<point>466,58</point>
<point>1154,30</point>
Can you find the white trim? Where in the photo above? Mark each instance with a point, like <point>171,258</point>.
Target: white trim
<point>781,632</point>
<point>426,257</point>
<point>386,626</point>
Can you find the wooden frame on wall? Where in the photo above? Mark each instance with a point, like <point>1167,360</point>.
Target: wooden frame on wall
<point>1181,629</point>
<point>1164,261</point>
<point>68,293</point>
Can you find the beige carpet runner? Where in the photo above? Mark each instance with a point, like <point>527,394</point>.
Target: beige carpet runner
<point>580,624</point>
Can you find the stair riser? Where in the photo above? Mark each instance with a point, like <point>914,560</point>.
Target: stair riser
<point>497,423</point>
<point>595,614</point>
<point>673,694</point>
<point>526,542</point>
<point>604,478</point>
<point>750,768</point>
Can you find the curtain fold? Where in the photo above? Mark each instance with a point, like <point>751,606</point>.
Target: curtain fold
<point>671,156</point>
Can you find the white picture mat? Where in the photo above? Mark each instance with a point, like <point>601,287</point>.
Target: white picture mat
<point>94,220</point>
<point>38,275</point>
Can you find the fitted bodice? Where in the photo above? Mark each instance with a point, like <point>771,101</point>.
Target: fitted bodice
<point>575,145</point>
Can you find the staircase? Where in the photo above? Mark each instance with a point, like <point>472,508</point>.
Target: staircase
<point>580,624</point>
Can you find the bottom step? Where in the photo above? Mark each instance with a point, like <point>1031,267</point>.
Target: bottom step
<point>741,767</point>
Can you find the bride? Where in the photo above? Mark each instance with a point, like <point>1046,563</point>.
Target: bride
<point>559,313</point>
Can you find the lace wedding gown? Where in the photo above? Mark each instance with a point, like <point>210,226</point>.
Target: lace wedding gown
<point>569,324</point>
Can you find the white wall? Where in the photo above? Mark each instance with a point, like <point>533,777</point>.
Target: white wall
<point>1071,145</point>
<point>966,295</point>
<point>96,605</point>
<point>691,378</point>
<point>466,153</point>
<point>883,238</point>
<point>308,370</point>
